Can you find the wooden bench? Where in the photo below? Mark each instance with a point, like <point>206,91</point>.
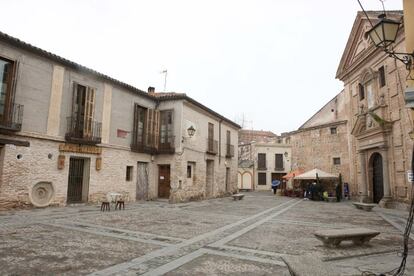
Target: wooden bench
<point>364,206</point>
<point>308,266</point>
<point>238,196</point>
<point>333,237</point>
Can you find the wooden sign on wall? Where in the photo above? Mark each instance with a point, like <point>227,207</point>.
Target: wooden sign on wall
<point>80,149</point>
<point>61,162</point>
<point>98,163</point>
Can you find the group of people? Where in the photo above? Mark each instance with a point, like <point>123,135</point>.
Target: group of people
<point>316,191</point>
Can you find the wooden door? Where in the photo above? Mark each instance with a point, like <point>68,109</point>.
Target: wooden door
<point>377,177</point>
<point>228,180</point>
<point>209,178</point>
<point>164,184</point>
<point>142,181</point>
<point>75,180</point>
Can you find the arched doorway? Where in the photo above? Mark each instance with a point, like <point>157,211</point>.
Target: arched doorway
<point>377,177</point>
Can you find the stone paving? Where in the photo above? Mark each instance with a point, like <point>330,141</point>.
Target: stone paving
<point>212,237</point>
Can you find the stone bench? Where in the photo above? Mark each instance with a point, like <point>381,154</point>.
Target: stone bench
<point>308,266</point>
<point>238,196</point>
<point>333,237</point>
<point>364,206</point>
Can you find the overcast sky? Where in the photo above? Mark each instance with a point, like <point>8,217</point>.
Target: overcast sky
<point>273,61</point>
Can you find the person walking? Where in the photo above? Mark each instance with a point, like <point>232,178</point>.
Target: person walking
<point>275,183</point>
<point>338,192</point>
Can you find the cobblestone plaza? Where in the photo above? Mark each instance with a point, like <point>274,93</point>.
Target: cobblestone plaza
<point>213,237</point>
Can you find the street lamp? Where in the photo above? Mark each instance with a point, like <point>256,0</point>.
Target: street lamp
<point>191,131</point>
<point>383,34</point>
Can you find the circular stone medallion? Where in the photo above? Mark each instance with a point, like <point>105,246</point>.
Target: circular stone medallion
<point>42,194</point>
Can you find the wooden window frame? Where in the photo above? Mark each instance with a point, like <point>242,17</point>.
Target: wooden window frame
<point>261,166</point>
<point>280,161</point>
<point>11,89</point>
<point>260,177</point>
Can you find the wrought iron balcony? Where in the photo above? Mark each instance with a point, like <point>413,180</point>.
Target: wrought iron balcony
<point>166,144</point>
<point>11,118</point>
<point>153,144</point>
<point>279,169</point>
<point>229,151</point>
<point>82,131</point>
<point>212,146</point>
<point>261,167</point>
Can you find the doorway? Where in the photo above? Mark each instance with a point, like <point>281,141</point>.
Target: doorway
<point>209,178</point>
<point>142,181</point>
<point>377,177</point>
<point>228,189</point>
<point>78,180</point>
<point>164,185</point>
<point>279,176</point>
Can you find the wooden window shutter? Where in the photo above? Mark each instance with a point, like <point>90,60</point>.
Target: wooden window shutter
<point>135,125</point>
<point>15,78</point>
<point>157,127</point>
<point>149,133</point>
<point>89,110</point>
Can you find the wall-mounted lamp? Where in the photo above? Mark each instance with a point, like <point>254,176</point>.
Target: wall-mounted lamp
<point>286,154</point>
<point>384,34</point>
<point>190,131</point>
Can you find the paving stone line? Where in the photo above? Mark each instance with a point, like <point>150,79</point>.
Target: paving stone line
<point>143,235</point>
<point>135,263</point>
<point>395,224</point>
<point>173,264</point>
<point>107,234</point>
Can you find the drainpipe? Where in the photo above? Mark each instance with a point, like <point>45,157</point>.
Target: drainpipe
<point>219,141</point>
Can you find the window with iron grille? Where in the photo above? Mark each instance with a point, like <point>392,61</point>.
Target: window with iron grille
<point>337,161</point>
<point>129,170</point>
<point>381,72</point>
<point>261,178</point>
<point>278,161</point>
<point>261,161</point>
<point>334,130</point>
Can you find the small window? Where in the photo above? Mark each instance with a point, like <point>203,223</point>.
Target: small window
<point>337,161</point>
<point>261,161</point>
<point>333,130</point>
<point>262,178</point>
<point>129,170</point>
<point>189,171</point>
<point>278,162</point>
<point>381,72</point>
<point>361,92</point>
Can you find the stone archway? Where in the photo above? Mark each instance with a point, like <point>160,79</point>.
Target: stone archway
<point>376,176</point>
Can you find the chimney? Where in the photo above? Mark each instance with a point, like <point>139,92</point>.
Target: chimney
<point>151,90</point>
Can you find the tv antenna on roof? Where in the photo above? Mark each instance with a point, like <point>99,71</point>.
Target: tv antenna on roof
<point>165,72</point>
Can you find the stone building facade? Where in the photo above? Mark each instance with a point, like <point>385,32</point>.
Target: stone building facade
<point>69,134</point>
<point>373,127</point>
<point>268,157</point>
<point>322,141</point>
<point>379,124</point>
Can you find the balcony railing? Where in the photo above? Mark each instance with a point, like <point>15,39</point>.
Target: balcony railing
<point>82,131</point>
<point>153,144</point>
<point>279,168</point>
<point>166,144</point>
<point>229,151</point>
<point>11,118</point>
<point>212,146</point>
<point>261,167</point>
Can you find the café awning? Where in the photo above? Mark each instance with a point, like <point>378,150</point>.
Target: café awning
<point>316,172</point>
